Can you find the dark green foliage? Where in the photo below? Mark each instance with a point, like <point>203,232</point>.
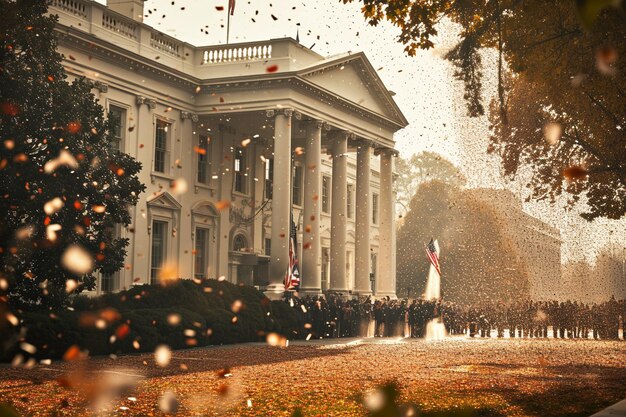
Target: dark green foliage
<point>43,116</point>
<point>284,318</point>
<point>205,313</point>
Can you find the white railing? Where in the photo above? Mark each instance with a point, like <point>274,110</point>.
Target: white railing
<point>236,53</point>
<point>122,27</point>
<point>164,44</point>
<point>75,7</point>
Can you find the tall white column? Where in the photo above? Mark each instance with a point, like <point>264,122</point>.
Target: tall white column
<point>338,275</point>
<point>141,241</point>
<point>281,194</point>
<point>311,244</point>
<point>224,269</point>
<point>186,246</point>
<point>259,195</point>
<point>363,217</point>
<point>385,282</point>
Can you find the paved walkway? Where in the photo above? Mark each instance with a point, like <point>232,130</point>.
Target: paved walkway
<point>615,410</point>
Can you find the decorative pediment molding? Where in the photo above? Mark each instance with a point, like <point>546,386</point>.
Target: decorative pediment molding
<point>205,208</point>
<point>368,76</point>
<point>163,200</point>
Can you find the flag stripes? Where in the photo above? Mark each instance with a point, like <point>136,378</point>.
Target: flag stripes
<point>431,252</point>
<point>292,276</point>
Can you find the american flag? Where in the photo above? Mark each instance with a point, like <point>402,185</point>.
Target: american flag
<point>231,7</point>
<point>431,252</point>
<point>292,277</point>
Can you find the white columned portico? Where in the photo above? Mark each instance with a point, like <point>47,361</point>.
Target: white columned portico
<point>338,218</point>
<point>311,243</point>
<point>281,195</point>
<point>385,283</point>
<point>363,216</point>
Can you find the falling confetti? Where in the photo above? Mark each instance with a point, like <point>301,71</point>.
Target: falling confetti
<point>77,260</point>
<point>552,132</point>
<point>53,206</point>
<point>64,159</point>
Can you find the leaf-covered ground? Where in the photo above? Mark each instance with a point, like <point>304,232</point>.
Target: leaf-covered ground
<point>339,378</point>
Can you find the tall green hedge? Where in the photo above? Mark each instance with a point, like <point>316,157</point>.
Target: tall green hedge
<point>136,320</point>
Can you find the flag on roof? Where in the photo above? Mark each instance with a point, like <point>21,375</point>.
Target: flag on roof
<point>432,251</point>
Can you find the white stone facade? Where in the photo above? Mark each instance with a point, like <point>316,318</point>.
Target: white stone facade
<point>227,123</point>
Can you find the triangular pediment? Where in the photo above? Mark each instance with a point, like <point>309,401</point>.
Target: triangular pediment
<point>164,200</point>
<point>353,78</point>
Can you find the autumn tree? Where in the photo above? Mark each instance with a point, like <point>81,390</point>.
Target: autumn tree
<point>63,187</point>
<point>610,272</point>
<point>420,168</point>
<point>559,108</point>
<point>478,261</point>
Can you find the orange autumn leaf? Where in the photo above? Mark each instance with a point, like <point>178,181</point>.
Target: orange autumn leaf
<point>73,127</point>
<point>222,205</point>
<point>199,150</point>
<point>574,173</point>
<point>9,109</point>
<point>122,331</point>
<point>72,353</point>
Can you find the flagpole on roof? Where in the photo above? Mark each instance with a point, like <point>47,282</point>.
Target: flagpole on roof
<point>228,29</point>
<point>231,10</point>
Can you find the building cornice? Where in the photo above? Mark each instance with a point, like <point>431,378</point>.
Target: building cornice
<point>92,46</point>
<point>293,80</point>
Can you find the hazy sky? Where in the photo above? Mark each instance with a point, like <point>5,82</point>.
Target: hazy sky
<point>426,91</point>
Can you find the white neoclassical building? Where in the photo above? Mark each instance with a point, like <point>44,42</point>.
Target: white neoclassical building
<point>234,140</point>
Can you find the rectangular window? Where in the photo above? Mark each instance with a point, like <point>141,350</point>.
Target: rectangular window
<point>374,208</point>
<point>269,175</point>
<point>110,282</point>
<point>325,262</point>
<point>117,116</point>
<point>161,146</point>
<point>326,194</point>
<point>201,253</point>
<point>240,170</point>
<point>373,262</point>
<point>349,201</point>
<point>159,233</point>
<point>268,247</point>
<point>204,160</point>
<point>297,186</point>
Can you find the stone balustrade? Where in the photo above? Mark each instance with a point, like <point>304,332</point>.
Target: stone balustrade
<point>246,52</point>
<point>75,7</point>
<point>201,61</point>
<point>165,43</point>
<point>125,27</point>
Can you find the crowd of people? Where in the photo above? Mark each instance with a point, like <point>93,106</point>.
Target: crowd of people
<point>335,316</point>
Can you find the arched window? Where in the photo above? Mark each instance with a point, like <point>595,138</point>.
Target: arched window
<point>239,243</point>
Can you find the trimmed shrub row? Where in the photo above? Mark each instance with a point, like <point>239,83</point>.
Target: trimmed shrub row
<point>181,315</point>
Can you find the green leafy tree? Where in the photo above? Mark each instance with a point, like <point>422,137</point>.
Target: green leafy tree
<point>420,168</point>
<point>478,259</point>
<point>63,187</point>
<point>558,62</point>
